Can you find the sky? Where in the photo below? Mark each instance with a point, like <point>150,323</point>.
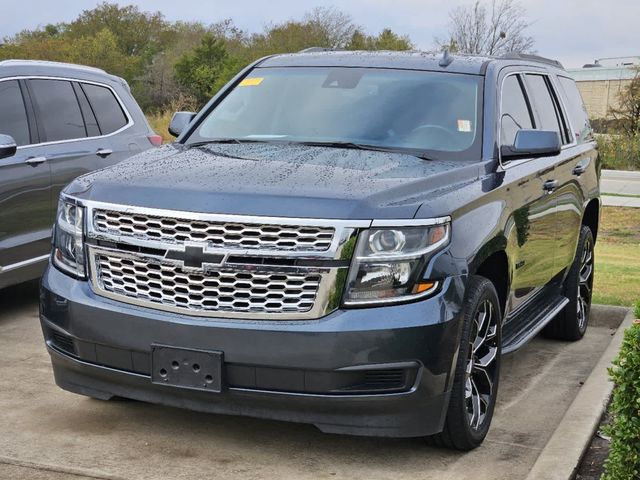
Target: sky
<point>573,31</point>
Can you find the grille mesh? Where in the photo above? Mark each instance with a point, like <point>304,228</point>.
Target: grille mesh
<point>165,284</point>
<point>216,234</point>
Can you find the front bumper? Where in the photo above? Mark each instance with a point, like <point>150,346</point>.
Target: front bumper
<point>302,371</point>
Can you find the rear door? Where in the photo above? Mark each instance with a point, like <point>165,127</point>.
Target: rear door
<point>69,129</point>
<point>25,187</point>
<point>576,171</point>
<point>566,192</point>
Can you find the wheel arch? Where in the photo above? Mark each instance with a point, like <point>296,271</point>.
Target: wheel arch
<point>591,217</point>
<point>494,265</point>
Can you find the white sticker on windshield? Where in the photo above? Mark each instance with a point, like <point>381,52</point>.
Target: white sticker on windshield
<point>464,125</point>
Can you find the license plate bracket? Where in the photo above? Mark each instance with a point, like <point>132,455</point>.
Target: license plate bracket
<point>186,368</point>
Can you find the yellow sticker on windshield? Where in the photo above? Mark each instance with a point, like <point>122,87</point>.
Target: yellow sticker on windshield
<point>251,82</point>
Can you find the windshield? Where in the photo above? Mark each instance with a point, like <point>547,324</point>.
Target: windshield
<point>432,112</point>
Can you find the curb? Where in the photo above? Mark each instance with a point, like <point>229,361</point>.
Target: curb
<point>561,455</point>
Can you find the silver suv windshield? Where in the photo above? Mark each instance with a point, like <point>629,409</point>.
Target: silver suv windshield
<point>435,113</point>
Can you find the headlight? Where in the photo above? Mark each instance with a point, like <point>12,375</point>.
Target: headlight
<point>68,248</point>
<point>388,263</point>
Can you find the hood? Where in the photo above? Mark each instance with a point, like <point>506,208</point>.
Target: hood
<point>274,180</point>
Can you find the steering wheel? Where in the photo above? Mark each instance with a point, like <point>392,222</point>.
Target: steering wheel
<point>434,127</point>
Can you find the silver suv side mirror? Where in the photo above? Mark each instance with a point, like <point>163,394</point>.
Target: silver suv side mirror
<point>8,146</point>
<point>179,122</point>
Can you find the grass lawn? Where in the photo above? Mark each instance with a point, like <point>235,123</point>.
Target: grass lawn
<point>617,276</point>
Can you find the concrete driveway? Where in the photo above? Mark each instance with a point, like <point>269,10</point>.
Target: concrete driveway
<point>47,433</point>
<point>624,185</point>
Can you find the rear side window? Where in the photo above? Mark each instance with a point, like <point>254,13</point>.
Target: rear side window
<point>515,110</point>
<point>105,107</point>
<point>90,121</point>
<point>58,112</point>
<point>13,116</point>
<point>545,104</point>
<point>575,107</point>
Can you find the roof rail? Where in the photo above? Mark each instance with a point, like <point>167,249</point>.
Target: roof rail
<point>316,50</point>
<point>534,58</point>
<point>49,63</point>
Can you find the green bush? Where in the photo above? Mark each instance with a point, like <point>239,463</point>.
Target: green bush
<point>637,309</point>
<point>624,457</point>
<point>619,152</point>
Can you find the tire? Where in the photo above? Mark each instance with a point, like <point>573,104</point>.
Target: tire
<point>571,323</point>
<point>463,428</point>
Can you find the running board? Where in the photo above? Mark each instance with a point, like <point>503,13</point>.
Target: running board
<point>518,331</point>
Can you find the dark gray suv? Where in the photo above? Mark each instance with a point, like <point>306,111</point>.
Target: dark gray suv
<point>346,239</point>
<point>57,122</point>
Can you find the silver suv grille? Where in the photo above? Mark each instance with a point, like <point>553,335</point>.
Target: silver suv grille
<point>216,265</point>
<point>215,234</point>
<point>166,285</point>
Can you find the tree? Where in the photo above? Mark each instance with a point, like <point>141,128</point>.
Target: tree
<point>138,33</point>
<point>627,112</point>
<point>386,40</point>
<point>207,68</point>
<point>331,27</point>
<point>496,30</point>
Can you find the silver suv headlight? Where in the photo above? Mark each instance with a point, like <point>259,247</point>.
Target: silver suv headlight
<point>68,247</point>
<point>388,264</point>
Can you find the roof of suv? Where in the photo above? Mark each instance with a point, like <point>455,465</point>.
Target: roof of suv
<point>412,60</point>
<point>9,68</point>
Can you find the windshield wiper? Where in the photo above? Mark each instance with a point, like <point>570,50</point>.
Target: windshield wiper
<point>350,145</point>
<point>224,141</point>
<point>373,148</point>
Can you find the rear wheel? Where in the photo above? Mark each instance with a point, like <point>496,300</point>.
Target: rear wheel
<point>571,323</point>
<point>473,395</point>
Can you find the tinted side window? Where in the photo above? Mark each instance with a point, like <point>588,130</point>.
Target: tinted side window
<point>13,116</point>
<point>58,112</point>
<point>576,109</point>
<point>545,105</point>
<point>106,108</point>
<point>90,121</point>
<point>515,111</point>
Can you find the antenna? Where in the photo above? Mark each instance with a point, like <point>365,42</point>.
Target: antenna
<point>446,59</point>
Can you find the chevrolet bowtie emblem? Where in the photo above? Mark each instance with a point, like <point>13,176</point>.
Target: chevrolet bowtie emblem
<point>194,256</point>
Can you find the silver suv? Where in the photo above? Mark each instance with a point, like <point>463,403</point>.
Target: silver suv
<point>57,121</point>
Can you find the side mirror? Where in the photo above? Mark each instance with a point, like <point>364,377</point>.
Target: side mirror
<point>532,144</point>
<point>8,146</point>
<point>179,122</point>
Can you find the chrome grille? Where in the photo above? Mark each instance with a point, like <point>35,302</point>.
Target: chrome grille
<point>216,234</point>
<point>152,282</point>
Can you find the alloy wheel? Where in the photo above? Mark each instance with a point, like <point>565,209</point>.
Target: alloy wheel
<point>481,364</point>
<point>585,284</point>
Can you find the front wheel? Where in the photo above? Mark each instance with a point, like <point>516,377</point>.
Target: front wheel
<point>475,386</point>
<point>571,323</point>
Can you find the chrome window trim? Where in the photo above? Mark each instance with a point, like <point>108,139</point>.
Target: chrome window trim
<point>23,263</point>
<point>130,122</point>
<point>499,118</point>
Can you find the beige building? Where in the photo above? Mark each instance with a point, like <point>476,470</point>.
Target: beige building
<point>601,82</point>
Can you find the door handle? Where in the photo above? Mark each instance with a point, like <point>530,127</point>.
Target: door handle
<point>550,185</point>
<point>579,169</point>
<point>33,161</point>
<point>104,152</point>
